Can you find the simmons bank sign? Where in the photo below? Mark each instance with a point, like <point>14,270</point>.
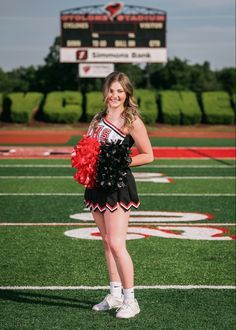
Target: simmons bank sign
<point>113,33</point>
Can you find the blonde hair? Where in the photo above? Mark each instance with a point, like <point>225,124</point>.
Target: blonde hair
<point>130,112</point>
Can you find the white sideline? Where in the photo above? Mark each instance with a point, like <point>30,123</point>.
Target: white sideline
<point>71,177</point>
<point>189,166</point>
<point>91,223</point>
<point>140,194</point>
<point>144,166</point>
<point>202,177</point>
<point>142,287</point>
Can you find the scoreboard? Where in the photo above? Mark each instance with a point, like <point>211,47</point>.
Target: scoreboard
<point>133,31</point>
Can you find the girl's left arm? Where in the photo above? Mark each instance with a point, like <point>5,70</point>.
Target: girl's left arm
<point>143,144</point>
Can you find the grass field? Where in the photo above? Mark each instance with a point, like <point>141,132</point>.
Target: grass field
<point>184,268</point>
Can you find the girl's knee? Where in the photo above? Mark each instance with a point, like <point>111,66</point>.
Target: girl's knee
<point>106,243</point>
<point>117,247</point>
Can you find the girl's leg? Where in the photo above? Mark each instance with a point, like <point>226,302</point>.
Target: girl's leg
<point>113,228</point>
<point>116,226</point>
<point>115,299</point>
<point>111,264</point>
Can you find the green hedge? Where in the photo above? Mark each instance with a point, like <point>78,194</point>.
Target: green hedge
<point>23,106</point>
<point>174,107</point>
<point>63,107</point>
<point>94,104</point>
<point>233,102</point>
<point>148,105</point>
<point>179,108</point>
<point>1,102</point>
<point>189,108</point>
<point>170,108</point>
<point>217,109</point>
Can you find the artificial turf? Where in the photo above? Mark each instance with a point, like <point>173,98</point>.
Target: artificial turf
<point>68,171</point>
<point>57,185</point>
<point>160,309</point>
<point>60,208</point>
<point>177,142</point>
<point>42,255</point>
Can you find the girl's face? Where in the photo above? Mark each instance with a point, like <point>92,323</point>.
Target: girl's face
<point>116,96</point>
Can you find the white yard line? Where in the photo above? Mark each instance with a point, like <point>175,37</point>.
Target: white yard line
<point>35,165</point>
<point>67,157</point>
<point>144,166</point>
<point>193,148</point>
<point>41,194</point>
<point>36,177</point>
<point>202,177</point>
<point>189,166</point>
<point>156,223</point>
<point>140,194</point>
<point>70,177</point>
<point>142,287</point>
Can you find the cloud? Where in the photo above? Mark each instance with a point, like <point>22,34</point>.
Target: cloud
<point>197,29</point>
<point>214,44</point>
<point>203,4</point>
<point>204,34</point>
<point>200,17</point>
<point>28,18</point>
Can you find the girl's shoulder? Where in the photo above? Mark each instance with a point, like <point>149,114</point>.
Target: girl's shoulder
<point>137,125</point>
<point>137,122</point>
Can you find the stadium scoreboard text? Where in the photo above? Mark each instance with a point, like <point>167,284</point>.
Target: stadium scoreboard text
<point>127,31</point>
<point>131,34</point>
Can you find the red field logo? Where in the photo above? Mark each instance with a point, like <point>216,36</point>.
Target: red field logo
<point>163,224</point>
<point>208,233</point>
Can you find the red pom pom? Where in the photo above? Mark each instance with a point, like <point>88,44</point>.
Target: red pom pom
<point>84,158</point>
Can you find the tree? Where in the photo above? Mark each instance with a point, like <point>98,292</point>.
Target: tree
<point>174,75</point>
<point>134,72</point>
<point>53,55</point>
<point>203,78</point>
<point>54,75</point>
<point>227,78</point>
<point>5,82</point>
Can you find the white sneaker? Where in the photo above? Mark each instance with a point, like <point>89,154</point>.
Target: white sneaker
<point>109,302</point>
<point>128,309</point>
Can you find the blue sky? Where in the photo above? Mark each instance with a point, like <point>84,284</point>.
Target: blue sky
<point>198,30</point>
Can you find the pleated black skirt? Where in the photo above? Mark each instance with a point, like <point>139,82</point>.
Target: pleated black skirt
<point>102,200</point>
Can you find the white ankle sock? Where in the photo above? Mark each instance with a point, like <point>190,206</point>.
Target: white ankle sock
<point>115,289</point>
<point>128,294</point>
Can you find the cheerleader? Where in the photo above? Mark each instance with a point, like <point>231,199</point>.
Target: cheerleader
<point>113,192</point>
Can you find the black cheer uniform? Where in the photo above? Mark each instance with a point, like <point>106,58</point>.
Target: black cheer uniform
<point>102,199</point>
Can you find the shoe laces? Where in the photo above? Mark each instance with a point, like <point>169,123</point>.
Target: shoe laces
<point>108,300</point>
<point>125,306</point>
